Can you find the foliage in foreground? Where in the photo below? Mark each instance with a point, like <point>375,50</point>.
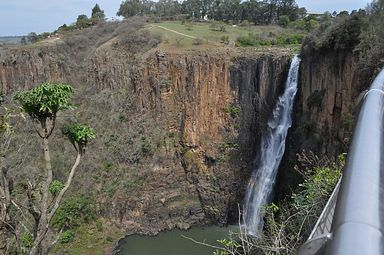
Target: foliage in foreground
<point>26,214</point>
<point>288,224</point>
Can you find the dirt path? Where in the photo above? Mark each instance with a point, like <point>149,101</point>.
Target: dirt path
<point>174,31</point>
<point>189,36</point>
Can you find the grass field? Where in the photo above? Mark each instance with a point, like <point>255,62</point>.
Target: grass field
<point>207,36</point>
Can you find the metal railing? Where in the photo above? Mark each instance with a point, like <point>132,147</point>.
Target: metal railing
<point>321,233</point>
<point>358,221</point>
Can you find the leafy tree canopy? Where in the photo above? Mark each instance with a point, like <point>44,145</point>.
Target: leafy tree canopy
<point>45,100</point>
<point>97,13</point>
<point>78,133</point>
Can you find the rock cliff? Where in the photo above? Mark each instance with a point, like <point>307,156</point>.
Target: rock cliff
<point>331,82</point>
<point>177,132</point>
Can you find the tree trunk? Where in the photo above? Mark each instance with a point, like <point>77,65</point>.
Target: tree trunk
<point>66,186</point>
<point>43,229</point>
<point>44,224</point>
<point>5,203</point>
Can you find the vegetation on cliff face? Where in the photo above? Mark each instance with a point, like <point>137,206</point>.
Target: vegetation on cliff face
<point>289,222</point>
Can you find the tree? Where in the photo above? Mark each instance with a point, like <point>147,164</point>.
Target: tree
<point>97,14</point>
<point>23,40</point>
<point>42,104</point>
<point>32,37</point>
<point>83,21</point>
<point>284,20</point>
<point>129,8</point>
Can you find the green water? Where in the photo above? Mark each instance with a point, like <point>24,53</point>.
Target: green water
<point>172,242</point>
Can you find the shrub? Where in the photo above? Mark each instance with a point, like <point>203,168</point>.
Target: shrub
<point>228,146</point>
<point>27,240</point>
<point>284,20</point>
<point>233,110</point>
<point>56,187</point>
<point>78,133</point>
<point>198,41</point>
<point>67,236</point>
<point>224,39</point>
<point>344,33</point>
<point>146,147</point>
<point>290,39</point>
<point>73,211</point>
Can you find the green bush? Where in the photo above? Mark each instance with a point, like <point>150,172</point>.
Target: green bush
<point>27,240</point>
<point>74,211</point>
<point>284,20</point>
<point>290,39</point>
<point>225,39</point>
<point>67,236</point>
<point>78,133</point>
<point>319,181</point>
<point>344,33</point>
<point>228,146</point>
<point>233,110</point>
<point>56,187</point>
<point>286,39</point>
<point>146,147</point>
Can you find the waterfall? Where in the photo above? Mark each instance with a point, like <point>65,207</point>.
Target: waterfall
<point>271,151</point>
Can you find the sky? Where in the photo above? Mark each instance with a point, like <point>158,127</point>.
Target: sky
<point>19,17</point>
<point>321,6</point>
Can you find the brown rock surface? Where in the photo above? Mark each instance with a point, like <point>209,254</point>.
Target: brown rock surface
<point>177,132</point>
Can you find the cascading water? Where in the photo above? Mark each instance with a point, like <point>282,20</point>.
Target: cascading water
<point>272,149</point>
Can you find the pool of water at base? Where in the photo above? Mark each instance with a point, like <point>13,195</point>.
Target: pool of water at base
<point>173,243</point>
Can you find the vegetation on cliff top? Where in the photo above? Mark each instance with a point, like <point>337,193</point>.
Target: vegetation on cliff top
<point>235,12</point>
<point>361,32</point>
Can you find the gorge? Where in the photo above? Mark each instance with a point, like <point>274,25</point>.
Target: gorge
<point>178,130</point>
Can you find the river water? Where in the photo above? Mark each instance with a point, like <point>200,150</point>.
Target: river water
<point>173,243</point>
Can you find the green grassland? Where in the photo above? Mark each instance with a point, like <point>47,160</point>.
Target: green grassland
<point>209,34</point>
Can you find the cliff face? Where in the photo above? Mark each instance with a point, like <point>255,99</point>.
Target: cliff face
<point>177,132</point>
<point>330,87</point>
<point>22,69</point>
<point>331,83</point>
<point>213,103</point>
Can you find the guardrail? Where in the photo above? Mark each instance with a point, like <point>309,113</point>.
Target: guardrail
<point>358,222</point>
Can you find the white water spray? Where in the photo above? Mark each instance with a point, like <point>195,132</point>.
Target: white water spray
<point>272,149</point>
